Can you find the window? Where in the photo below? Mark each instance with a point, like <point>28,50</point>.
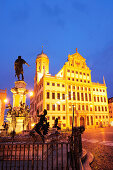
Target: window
<point>99,117</point>
<point>105,108</point>
<point>62,85</point>
<point>63,107</point>
<point>64,117</point>
<point>58,117</point>
<point>48,107</point>
<point>95,108</point>
<point>72,71</point>
<point>85,88</point>
<point>98,108</point>
<point>47,117</point>
<point>103,117</point>
<point>103,90</point>
<point>89,97</point>
<point>58,107</point>
<point>96,123</point>
<point>104,99</point>
<point>101,99</point>
<point>82,97</point>
<point>73,87</point>
<point>76,72</point>
<point>76,79</point>
<point>69,95</point>
<point>53,84</point>
<point>47,95</point>
<point>97,99</point>
<point>63,96</point>
<point>64,125</point>
<point>72,79</point>
<point>78,96</point>
<point>89,89</point>
<point>87,120</point>
<point>58,85</point>
<point>68,78</point>
<point>83,73</point>
<point>81,88</point>
<point>88,81</point>
<point>47,83</point>
<point>84,81</point>
<point>106,117</point>
<point>53,107</point>
<point>58,95</point>
<point>69,87</point>
<point>53,117</point>
<point>68,70</point>
<point>78,107</point>
<point>73,95</point>
<point>53,95</point>
<point>77,88</point>
<point>80,80</point>
<point>86,107</point>
<point>86,99</point>
<point>82,107</point>
<point>80,72</point>
<point>94,99</point>
<point>96,117</point>
<point>102,108</point>
<point>87,74</point>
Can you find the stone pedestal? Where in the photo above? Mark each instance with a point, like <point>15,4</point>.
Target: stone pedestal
<point>19,93</point>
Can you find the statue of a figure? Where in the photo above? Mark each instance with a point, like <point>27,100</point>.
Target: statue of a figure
<point>42,125</point>
<point>56,124</point>
<point>18,66</point>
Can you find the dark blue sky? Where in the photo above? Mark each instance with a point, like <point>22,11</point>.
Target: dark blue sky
<point>60,27</point>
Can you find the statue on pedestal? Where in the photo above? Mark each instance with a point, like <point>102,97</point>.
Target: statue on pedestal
<point>18,66</point>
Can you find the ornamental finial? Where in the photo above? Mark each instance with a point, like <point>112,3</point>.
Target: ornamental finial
<point>76,50</point>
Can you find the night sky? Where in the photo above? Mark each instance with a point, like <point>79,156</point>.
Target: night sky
<point>60,27</point>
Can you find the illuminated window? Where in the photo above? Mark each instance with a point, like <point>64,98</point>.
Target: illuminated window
<point>77,88</point>
<point>58,107</point>
<point>83,73</point>
<point>53,117</point>
<point>69,95</point>
<point>64,117</point>
<point>99,117</point>
<point>82,107</point>
<point>73,95</point>
<point>101,99</point>
<point>64,125</point>
<point>62,85</point>
<point>73,87</point>
<point>69,87</point>
<point>88,81</point>
<point>72,71</point>
<point>78,107</point>
<point>76,79</point>
<point>96,117</point>
<point>103,117</point>
<point>47,83</point>
<point>94,99</point>
<point>47,95</point>
<point>53,84</point>
<point>86,98</point>
<point>76,72</point>
<point>70,120</point>
<point>106,117</point>
<point>103,90</point>
<point>89,89</point>
<point>82,97</point>
<point>87,74</point>
<point>95,108</point>
<point>48,107</point>
<point>98,108</point>
<point>93,89</point>
<point>47,117</point>
<point>58,85</point>
<point>58,95</point>
<point>105,108</point>
<point>96,123</point>
<point>104,99</point>
<point>80,72</point>
<point>63,96</point>
<point>53,107</point>
<point>58,117</point>
<point>53,95</point>
<point>84,81</point>
<point>68,70</point>
<point>81,88</point>
<point>72,79</point>
<point>78,96</point>
<point>68,78</point>
<point>97,99</point>
<point>80,80</point>
<point>89,97</point>
<point>63,107</point>
<point>86,107</point>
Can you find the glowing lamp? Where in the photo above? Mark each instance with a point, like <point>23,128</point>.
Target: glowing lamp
<point>32,125</point>
<point>31,93</point>
<point>5,100</point>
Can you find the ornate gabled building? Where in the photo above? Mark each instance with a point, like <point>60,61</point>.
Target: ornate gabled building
<point>70,92</point>
<point>3,94</point>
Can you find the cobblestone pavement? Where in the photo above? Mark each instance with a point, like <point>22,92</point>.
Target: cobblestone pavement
<point>99,142</point>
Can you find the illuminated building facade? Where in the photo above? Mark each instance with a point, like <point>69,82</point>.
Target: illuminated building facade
<point>70,90</point>
<point>3,94</point>
<point>110,105</point>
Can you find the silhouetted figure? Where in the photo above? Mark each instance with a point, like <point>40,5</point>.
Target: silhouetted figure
<point>18,66</point>
<point>42,125</point>
<point>5,125</point>
<point>56,124</point>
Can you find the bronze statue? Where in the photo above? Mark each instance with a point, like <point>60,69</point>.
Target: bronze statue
<point>18,66</point>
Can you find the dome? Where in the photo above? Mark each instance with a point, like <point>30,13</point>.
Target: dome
<point>42,55</point>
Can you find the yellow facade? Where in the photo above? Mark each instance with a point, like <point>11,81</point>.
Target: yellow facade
<point>3,94</point>
<point>69,92</point>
